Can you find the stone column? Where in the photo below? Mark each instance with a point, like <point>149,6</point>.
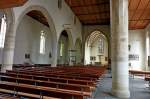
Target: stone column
<point>8,51</point>
<point>54,53</point>
<point>119,45</point>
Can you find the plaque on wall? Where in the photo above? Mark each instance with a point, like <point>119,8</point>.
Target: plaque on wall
<point>134,57</point>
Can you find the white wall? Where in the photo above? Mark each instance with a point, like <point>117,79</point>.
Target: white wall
<point>147,31</point>
<point>137,42</point>
<point>28,41</point>
<point>59,16</point>
<point>56,17</point>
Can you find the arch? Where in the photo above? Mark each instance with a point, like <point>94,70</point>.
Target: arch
<point>65,40</point>
<point>94,36</point>
<point>51,26</point>
<point>69,37</point>
<point>45,13</point>
<point>97,34</point>
<point>91,47</point>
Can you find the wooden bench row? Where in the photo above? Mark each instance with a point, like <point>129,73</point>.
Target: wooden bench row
<point>54,79</point>
<point>77,87</point>
<point>38,89</point>
<point>7,96</point>
<point>42,83</point>
<point>139,73</point>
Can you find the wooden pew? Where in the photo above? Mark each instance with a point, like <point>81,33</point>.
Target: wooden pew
<point>62,80</point>
<point>43,91</point>
<point>76,87</point>
<point>54,75</point>
<point>7,96</point>
<point>89,72</point>
<point>139,73</point>
<point>48,82</point>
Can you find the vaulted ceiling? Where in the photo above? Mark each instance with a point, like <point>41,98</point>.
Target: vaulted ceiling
<point>97,12</point>
<point>37,15</point>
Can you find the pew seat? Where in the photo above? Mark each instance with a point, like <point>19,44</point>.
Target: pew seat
<point>22,94</point>
<point>43,91</point>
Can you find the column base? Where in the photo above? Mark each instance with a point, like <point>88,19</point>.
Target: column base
<point>125,94</point>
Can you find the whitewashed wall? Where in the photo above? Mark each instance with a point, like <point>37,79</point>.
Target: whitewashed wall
<point>59,16</point>
<point>147,31</point>
<point>137,42</point>
<point>28,41</point>
<point>57,19</point>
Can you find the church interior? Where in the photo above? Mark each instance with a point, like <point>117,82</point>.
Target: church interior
<point>74,49</point>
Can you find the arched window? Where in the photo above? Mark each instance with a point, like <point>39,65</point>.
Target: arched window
<point>42,42</point>
<point>61,48</point>
<point>2,31</point>
<point>101,45</point>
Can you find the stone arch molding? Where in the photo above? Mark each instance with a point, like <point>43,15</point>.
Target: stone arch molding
<point>102,33</point>
<point>51,24</point>
<point>45,13</point>
<point>69,37</point>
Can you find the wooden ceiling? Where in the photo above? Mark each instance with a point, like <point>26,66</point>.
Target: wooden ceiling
<point>139,14</point>
<point>11,3</point>
<point>91,12</point>
<point>37,15</point>
<point>94,12</point>
<point>97,12</point>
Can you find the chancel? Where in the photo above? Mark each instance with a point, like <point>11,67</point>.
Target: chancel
<point>74,49</point>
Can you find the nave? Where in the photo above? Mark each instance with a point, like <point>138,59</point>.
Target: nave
<point>63,48</point>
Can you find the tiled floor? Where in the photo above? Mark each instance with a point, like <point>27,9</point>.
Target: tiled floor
<point>138,89</point>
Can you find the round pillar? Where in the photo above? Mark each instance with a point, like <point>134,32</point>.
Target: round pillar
<point>119,45</point>
<point>8,51</point>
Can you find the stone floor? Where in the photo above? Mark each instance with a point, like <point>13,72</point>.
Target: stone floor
<point>138,89</point>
